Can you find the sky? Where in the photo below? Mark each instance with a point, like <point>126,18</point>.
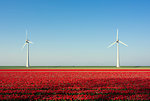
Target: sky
<point>74,32</point>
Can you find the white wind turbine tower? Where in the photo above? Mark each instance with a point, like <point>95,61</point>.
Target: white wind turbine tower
<point>117,42</point>
<point>27,43</point>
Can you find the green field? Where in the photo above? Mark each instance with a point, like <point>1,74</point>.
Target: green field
<point>75,67</point>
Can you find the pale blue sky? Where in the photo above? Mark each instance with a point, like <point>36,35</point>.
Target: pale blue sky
<point>75,32</point>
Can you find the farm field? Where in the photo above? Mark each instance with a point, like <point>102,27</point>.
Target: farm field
<point>75,85</point>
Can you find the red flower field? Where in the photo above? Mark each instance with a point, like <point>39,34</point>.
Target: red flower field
<point>74,85</point>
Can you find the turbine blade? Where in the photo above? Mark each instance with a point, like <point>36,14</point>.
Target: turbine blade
<point>112,44</point>
<point>123,43</point>
<point>24,45</point>
<point>26,35</point>
<point>30,42</point>
<point>117,35</point>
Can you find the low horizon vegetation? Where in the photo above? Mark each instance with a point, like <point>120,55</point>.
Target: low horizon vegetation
<point>75,67</point>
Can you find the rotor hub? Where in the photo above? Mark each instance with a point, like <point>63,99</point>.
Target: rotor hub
<point>27,41</point>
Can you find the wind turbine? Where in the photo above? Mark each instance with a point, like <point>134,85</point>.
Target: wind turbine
<point>117,42</point>
<point>27,43</point>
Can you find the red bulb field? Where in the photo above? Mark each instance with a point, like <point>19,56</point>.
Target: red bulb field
<point>74,85</point>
